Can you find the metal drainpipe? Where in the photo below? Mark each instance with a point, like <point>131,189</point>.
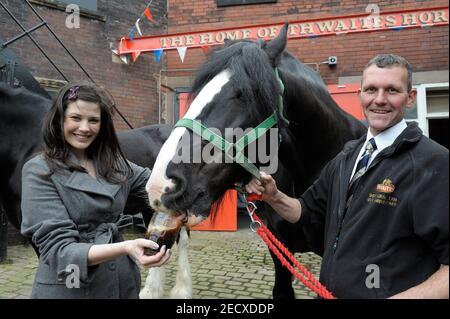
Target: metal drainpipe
<point>159,97</point>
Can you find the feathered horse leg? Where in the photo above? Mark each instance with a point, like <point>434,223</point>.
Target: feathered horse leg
<point>154,284</point>
<point>183,286</point>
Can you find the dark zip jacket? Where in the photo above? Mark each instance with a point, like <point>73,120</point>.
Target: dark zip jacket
<point>394,233</point>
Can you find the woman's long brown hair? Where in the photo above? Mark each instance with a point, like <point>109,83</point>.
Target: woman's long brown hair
<point>105,149</point>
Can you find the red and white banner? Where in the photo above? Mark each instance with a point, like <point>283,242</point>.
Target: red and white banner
<point>364,22</point>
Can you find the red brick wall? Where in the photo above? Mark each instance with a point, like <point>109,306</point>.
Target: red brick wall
<point>426,49</point>
<point>133,86</point>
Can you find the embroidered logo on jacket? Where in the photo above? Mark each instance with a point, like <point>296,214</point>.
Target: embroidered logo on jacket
<point>383,194</point>
<point>386,187</point>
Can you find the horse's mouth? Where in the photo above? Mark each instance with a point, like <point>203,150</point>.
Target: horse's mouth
<point>195,209</point>
<point>194,219</point>
<point>191,218</point>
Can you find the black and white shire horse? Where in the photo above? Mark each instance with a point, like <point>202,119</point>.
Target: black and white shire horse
<point>238,87</point>
<point>21,116</point>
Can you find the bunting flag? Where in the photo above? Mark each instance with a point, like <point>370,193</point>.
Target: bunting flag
<point>122,57</point>
<point>182,53</point>
<point>205,48</point>
<point>149,16</point>
<point>137,27</point>
<point>158,54</point>
<point>131,35</point>
<point>135,55</point>
<point>399,28</point>
<point>427,26</point>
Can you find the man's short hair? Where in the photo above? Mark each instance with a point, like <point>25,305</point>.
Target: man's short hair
<point>388,60</point>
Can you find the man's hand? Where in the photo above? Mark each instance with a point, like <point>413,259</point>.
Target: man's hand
<point>287,207</point>
<point>267,187</point>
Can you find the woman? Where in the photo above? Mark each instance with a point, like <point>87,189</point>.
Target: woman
<point>72,199</point>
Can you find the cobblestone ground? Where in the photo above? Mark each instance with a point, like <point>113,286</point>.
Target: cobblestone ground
<point>223,265</point>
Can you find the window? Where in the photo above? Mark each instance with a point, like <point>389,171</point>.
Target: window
<point>225,3</point>
<point>90,5</point>
<point>411,113</point>
<point>431,111</point>
<point>88,8</point>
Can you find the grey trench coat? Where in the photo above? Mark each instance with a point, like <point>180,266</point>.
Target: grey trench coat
<point>64,216</point>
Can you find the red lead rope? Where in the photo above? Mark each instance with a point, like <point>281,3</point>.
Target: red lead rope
<point>278,249</point>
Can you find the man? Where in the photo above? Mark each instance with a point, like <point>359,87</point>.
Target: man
<point>382,203</point>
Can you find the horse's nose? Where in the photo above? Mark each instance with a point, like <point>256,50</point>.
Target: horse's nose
<point>166,189</point>
<point>156,203</point>
<point>156,187</point>
<point>176,192</point>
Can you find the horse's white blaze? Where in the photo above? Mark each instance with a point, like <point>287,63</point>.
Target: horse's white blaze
<point>158,181</point>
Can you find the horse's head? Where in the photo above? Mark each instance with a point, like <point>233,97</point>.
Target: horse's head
<point>234,91</point>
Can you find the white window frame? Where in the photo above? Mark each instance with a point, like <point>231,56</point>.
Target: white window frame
<point>84,4</point>
<point>422,112</point>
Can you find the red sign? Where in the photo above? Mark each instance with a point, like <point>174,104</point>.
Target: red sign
<point>297,29</point>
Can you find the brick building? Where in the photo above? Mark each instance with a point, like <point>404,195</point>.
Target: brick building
<point>425,45</point>
<point>148,92</point>
<point>101,23</point>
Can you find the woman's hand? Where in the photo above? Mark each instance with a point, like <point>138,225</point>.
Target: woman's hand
<point>135,249</point>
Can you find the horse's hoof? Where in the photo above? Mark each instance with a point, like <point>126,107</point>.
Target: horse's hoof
<point>181,293</point>
<point>149,294</point>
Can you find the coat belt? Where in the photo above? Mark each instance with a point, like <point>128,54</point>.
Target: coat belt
<point>104,233</point>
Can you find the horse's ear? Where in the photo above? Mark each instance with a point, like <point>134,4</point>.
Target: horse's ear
<point>276,46</point>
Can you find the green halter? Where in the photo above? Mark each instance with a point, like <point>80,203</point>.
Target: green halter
<point>248,138</point>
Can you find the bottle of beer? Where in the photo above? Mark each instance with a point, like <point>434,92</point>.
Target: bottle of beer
<point>163,229</point>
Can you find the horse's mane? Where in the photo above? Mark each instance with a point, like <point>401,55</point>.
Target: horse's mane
<point>308,75</point>
<point>253,74</point>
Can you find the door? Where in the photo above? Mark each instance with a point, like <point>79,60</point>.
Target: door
<point>346,96</point>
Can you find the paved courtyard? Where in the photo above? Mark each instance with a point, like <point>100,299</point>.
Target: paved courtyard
<point>223,265</point>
